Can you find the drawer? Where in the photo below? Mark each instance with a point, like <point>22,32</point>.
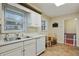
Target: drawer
<point>14,52</point>
<point>29,42</point>
<point>10,47</point>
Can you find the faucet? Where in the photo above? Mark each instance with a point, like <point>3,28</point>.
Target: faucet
<point>5,39</point>
<point>17,37</point>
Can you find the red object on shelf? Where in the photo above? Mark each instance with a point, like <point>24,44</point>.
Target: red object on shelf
<point>69,41</point>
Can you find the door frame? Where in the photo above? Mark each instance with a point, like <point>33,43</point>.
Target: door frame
<point>74,43</point>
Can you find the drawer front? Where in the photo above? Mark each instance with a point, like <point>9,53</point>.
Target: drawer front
<point>29,42</point>
<point>30,50</point>
<point>10,47</point>
<point>15,52</point>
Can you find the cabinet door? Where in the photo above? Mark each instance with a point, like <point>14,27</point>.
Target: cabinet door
<point>15,52</point>
<point>32,19</point>
<point>10,47</point>
<point>40,45</point>
<point>38,19</point>
<point>35,19</point>
<point>30,49</point>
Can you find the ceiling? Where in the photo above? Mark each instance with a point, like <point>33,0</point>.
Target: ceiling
<point>50,9</point>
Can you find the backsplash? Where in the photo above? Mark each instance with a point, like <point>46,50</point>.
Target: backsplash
<point>32,29</point>
<point>2,36</point>
<point>14,36</point>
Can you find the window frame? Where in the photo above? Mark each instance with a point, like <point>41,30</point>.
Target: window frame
<point>16,10</point>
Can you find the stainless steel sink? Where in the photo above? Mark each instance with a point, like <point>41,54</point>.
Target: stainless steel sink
<point>18,38</point>
<point>28,37</point>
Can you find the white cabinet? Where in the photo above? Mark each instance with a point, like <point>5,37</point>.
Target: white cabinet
<point>40,45</point>
<point>15,49</point>
<point>15,52</point>
<point>34,20</point>
<point>30,48</point>
<point>10,47</point>
<point>26,48</point>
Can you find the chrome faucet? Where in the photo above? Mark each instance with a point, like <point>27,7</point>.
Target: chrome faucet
<point>17,37</point>
<point>6,35</point>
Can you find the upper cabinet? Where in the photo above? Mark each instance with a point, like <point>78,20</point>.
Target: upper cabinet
<point>13,20</point>
<point>35,20</point>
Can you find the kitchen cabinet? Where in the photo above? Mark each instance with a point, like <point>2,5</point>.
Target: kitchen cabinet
<point>10,47</point>
<point>35,20</point>
<point>15,52</point>
<point>25,48</point>
<point>30,48</point>
<point>15,49</point>
<point>40,42</point>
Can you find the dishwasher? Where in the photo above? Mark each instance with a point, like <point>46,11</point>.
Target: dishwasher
<point>40,45</point>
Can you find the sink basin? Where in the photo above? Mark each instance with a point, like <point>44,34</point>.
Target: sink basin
<point>9,39</point>
<point>28,37</point>
<point>18,38</point>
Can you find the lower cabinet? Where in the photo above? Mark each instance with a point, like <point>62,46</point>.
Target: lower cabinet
<point>25,48</point>
<point>15,49</point>
<point>30,48</point>
<point>15,52</point>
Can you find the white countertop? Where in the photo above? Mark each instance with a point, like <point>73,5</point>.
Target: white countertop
<point>15,41</point>
<point>23,39</point>
<point>35,36</point>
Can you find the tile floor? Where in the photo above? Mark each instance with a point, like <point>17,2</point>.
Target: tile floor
<point>61,50</point>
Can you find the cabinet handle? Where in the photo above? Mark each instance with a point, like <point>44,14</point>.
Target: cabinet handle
<point>24,50</point>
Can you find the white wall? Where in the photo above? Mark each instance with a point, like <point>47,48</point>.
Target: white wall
<point>47,19</point>
<point>70,26</point>
<point>59,32</point>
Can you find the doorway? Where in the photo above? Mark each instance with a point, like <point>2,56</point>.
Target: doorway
<point>70,32</point>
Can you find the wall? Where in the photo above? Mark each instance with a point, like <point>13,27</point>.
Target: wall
<point>30,30</point>
<point>70,26</point>
<point>47,19</point>
<point>60,30</point>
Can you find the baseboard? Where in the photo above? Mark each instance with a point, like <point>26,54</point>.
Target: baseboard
<point>77,45</point>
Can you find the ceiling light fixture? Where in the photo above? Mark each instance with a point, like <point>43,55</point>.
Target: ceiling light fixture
<point>75,19</point>
<point>59,4</point>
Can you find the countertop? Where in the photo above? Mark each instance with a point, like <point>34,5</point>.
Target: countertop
<point>23,39</point>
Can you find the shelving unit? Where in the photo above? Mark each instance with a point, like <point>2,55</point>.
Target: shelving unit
<point>70,39</point>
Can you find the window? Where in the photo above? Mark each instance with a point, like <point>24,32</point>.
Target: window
<point>14,19</point>
<point>44,25</point>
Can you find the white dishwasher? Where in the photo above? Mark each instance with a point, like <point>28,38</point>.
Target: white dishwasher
<point>40,45</point>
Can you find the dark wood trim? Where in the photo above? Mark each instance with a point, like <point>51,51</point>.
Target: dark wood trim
<point>41,53</point>
<point>30,7</point>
